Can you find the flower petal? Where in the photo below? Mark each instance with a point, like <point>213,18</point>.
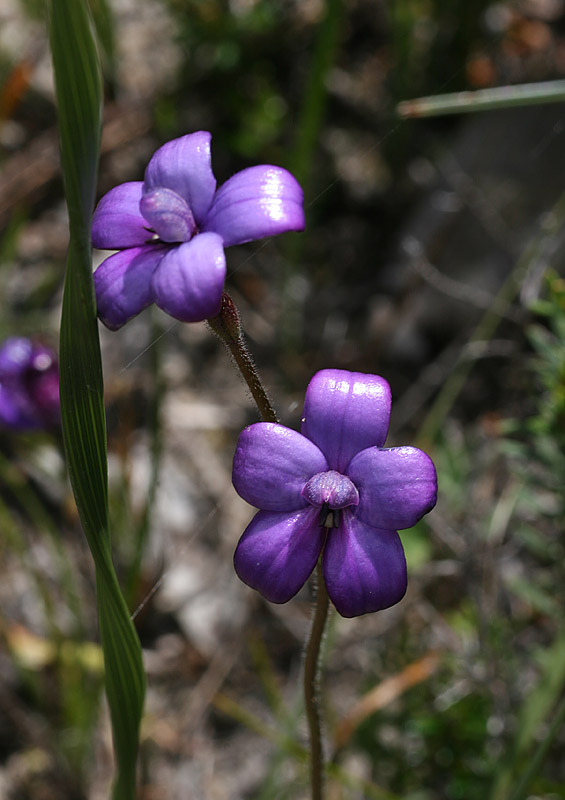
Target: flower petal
<point>272,464</point>
<point>256,202</point>
<point>43,390</point>
<point>185,166</point>
<point>345,412</point>
<point>117,222</point>
<point>189,281</point>
<point>16,354</point>
<point>278,551</point>
<point>123,283</point>
<point>397,486</point>
<point>16,410</point>
<point>364,567</point>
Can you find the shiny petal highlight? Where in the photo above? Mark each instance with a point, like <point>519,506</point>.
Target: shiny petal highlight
<point>255,203</point>
<point>344,413</point>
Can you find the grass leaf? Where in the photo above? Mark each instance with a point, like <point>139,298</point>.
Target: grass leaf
<point>79,97</point>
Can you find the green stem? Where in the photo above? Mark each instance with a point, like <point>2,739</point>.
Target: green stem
<point>311,685</point>
<point>227,326</point>
<point>142,526</point>
<point>525,94</point>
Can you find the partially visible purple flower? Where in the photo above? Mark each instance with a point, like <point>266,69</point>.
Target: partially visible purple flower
<point>332,489</point>
<point>171,230</point>
<point>29,385</point>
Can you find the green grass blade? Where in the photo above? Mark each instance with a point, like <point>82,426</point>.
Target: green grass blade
<point>102,15</point>
<point>315,96</point>
<point>525,94</point>
<point>79,97</point>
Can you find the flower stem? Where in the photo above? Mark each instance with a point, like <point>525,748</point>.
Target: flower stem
<point>227,326</point>
<point>311,674</point>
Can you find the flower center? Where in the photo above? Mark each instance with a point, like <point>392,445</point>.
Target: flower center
<point>168,214</point>
<point>330,491</point>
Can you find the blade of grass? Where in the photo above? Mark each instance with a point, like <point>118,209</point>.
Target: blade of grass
<point>303,152</point>
<point>79,99</point>
<point>102,16</point>
<point>525,94</point>
<point>315,96</point>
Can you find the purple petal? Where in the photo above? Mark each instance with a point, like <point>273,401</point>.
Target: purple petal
<point>277,552</point>
<point>44,393</point>
<point>123,283</point>
<point>189,281</point>
<point>345,412</point>
<point>16,410</point>
<point>272,464</point>
<point>185,166</point>
<point>16,354</point>
<point>397,486</point>
<point>168,214</point>
<point>256,202</point>
<point>43,359</point>
<point>117,222</point>
<point>364,567</point>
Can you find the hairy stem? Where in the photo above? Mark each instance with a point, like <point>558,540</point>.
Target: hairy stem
<point>227,326</point>
<point>311,674</point>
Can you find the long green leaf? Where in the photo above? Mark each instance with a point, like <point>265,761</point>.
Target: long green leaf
<point>79,98</point>
<point>524,94</point>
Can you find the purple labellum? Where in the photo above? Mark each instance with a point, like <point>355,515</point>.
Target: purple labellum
<point>331,489</point>
<point>168,215</point>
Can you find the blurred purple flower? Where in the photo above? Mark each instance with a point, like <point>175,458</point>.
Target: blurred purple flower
<point>29,385</point>
<point>332,490</point>
<point>171,230</point>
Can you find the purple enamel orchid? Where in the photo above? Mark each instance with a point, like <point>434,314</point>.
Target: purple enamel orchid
<point>29,385</point>
<point>332,489</point>
<point>171,230</point>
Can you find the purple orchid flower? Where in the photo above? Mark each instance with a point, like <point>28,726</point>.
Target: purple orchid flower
<point>332,489</point>
<point>29,385</point>
<point>171,230</point>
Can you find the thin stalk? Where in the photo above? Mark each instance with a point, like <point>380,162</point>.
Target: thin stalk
<point>143,525</point>
<point>311,115</point>
<point>525,94</point>
<point>227,326</point>
<point>311,686</point>
<point>302,158</point>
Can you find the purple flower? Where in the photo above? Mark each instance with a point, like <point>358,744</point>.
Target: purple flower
<point>29,385</point>
<point>171,230</point>
<point>332,489</point>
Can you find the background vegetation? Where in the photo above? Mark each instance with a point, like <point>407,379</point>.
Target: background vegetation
<point>433,255</point>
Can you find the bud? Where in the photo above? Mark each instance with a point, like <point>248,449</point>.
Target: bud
<point>226,324</point>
